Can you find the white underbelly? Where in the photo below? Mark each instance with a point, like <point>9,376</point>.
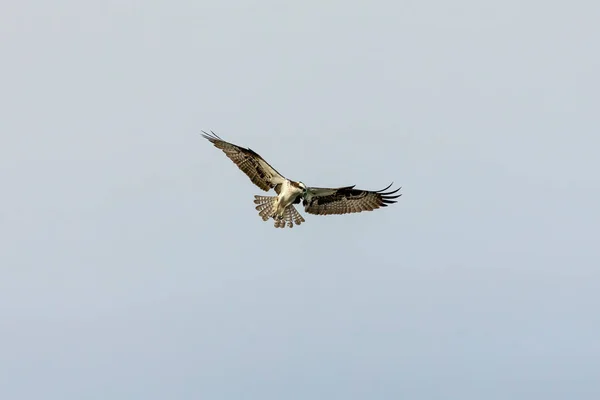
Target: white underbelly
<point>285,198</point>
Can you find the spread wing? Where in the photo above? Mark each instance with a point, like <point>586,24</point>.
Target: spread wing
<point>258,170</point>
<point>344,200</point>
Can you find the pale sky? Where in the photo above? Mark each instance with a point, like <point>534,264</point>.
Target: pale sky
<point>133,264</point>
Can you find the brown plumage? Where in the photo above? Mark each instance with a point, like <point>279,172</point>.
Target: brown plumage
<point>344,200</point>
<point>251,163</point>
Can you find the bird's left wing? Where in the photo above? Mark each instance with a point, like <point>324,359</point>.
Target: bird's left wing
<point>344,200</point>
<point>258,170</point>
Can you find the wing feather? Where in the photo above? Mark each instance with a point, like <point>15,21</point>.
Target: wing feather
<point>251,163</point>
<point>344,200</point>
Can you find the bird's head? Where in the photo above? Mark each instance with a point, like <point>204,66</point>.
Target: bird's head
<point>303,187</point>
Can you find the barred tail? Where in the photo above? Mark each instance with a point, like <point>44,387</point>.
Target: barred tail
<point>290,217</point>
<point>266,206</point>
<point>266,210</point>
<point>295,215</point>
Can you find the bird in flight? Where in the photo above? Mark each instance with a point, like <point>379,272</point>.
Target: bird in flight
<point>319,201</point>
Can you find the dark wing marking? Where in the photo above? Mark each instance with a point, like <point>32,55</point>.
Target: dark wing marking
<point>258,170</point>
<point>344,200</point>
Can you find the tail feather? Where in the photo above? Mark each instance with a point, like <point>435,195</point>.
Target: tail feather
<point>290,216</point>
<point>266,210</point>
<point>265,207</point>
<point>298,219</point>
<point>279,223</point>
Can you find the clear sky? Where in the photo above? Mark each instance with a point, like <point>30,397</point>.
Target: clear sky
<point>134,266</point>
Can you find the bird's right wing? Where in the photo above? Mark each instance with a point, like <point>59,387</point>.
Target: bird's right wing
<point>258,170</point>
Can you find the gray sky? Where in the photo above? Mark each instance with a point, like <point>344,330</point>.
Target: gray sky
<point>134,266</point>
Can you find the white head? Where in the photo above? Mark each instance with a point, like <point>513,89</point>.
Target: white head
<point>302,186</point>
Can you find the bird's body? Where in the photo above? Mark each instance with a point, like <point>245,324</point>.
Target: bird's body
<point>281,207</point>
<point>290,192</point>
<point>319,201</point>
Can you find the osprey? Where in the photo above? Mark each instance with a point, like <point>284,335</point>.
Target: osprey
<point>319,201</point>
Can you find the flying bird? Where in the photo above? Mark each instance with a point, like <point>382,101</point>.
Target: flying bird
<point>319,201</point>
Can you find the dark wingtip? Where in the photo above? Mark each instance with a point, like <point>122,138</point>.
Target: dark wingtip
<point>386,188</point>
<point>388,197</point>
<point>384,193</point>
<point>211,136</point>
